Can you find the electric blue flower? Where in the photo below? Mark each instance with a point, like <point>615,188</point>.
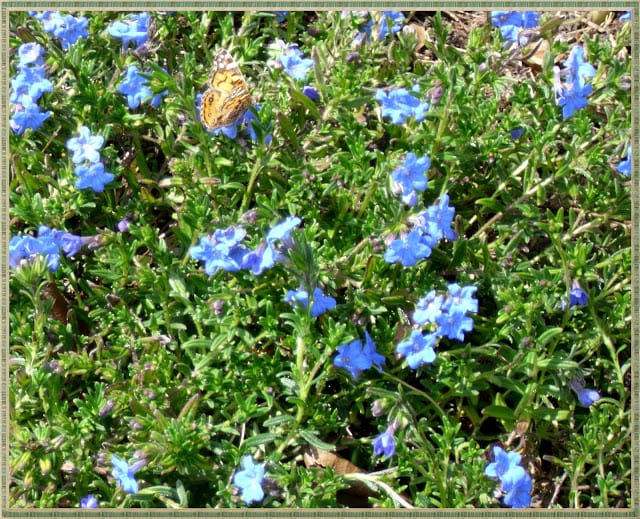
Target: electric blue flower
<point>310,92</point>
<point>385,443</point>
<point>399,105</point>
<point>50,20</point>
<point>222,250</point>
<point>27,247</point>
<point>282,230</point>
<point>319,305</point>
<point>577,296</point>
<point>428,308</point>
<point>586,397</point>
<point>252,122</point>
<point>351,358</point>
<point>29,117</point>
<point>460,299</point>
<point>136,88</point>
<point>453,325</point>
<point>30,54</point>
<point>418,349</point>
<point>125,473</point>
<point>29,85</point>
<point>294,64</point>
<point>407,250</point>
<point>411,175</point>
<point>249,480</point>
<point>517,484</point>
<point>70,29</point>
<point>502,462</point>
<point>576,68</point>
<point>89,502</point>
<point>93,176</point>
<point>69,243</point>
<point>510,23</point>
<point>390,22</point>
<point>134,28</point>
<point>85,147</point>
<point>625,166</point>
<point>436,221</point>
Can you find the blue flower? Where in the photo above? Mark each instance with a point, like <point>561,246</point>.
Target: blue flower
<point>125,473</point>
<point>385,443</point>
<point>89,502</point>
<point>399,105</point>
<point>352,358</point>
<point>510,23</point>
<point>50,20</point>
<point>516,133</point>
<point>85,147</point>
<point>407,250</point>
<point>460,299</point>
<point>29,85</point>
<point>453,325</point>
<point>319,305</point>
<point>294,64</point>
<point>586,396</point>
<point>282,230</point>
<point>29,117</point>
<point>411,174</point>
<point>624,17</point>
<point>389,21</point>
<point>70,29</point>
<point>222,251</point>
<point>310,92</point>
<point>30,54</point>
<point>418,349</point>
<point>502,462</point>
<point>249,480</point>
<point>428,308</point>
<point>134,28</point>
<point>27,247</point>
<point>625,165</point>
<point>576,68</point>
<point>252,122</point>
<point>435,222</point>
<point>577,296</point>
<point>93,176</point>
<point>69,243</point>
<point>281,16</point>
<point>517,484</point>
<point>136,88</point>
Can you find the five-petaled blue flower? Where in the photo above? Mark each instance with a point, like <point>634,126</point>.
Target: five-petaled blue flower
<point>294,64</point>
<point>411,174</point>
<point>85,147</point>
<point>125,473</point>
<point>511,23</point>
<point>249,480</point>
<point>418,348</point>
<point>134,28</point>
<point>516,483</point>
<point>399,105</point>
<point>356,357</point>
<point>135,87</point>
<point>93,176</point>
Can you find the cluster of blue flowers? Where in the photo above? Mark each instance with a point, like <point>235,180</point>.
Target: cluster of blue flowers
<point>399,105</point>
<point>48,243</point>
<point>446,316</point>
<point>223,250</point>
<point>86,156</point>
<point>249,480</point>
<point>356,357</point>
<point>27,87</point>
<point>572,95</point>
<point>134,28</point>
<point>516,483</point>
<point>319,303</point>
<point>67,28</point>
<point>429,227</point>
<point>512,22</point>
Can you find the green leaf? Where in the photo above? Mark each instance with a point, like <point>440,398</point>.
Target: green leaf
<point>312,439</point>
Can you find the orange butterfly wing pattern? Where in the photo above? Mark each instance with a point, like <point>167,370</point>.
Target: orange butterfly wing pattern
<point>227,97</point>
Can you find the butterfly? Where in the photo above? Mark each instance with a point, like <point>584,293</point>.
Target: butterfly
<point>227,97</point>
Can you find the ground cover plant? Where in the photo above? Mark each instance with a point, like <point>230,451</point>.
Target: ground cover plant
<point>372,259</point>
